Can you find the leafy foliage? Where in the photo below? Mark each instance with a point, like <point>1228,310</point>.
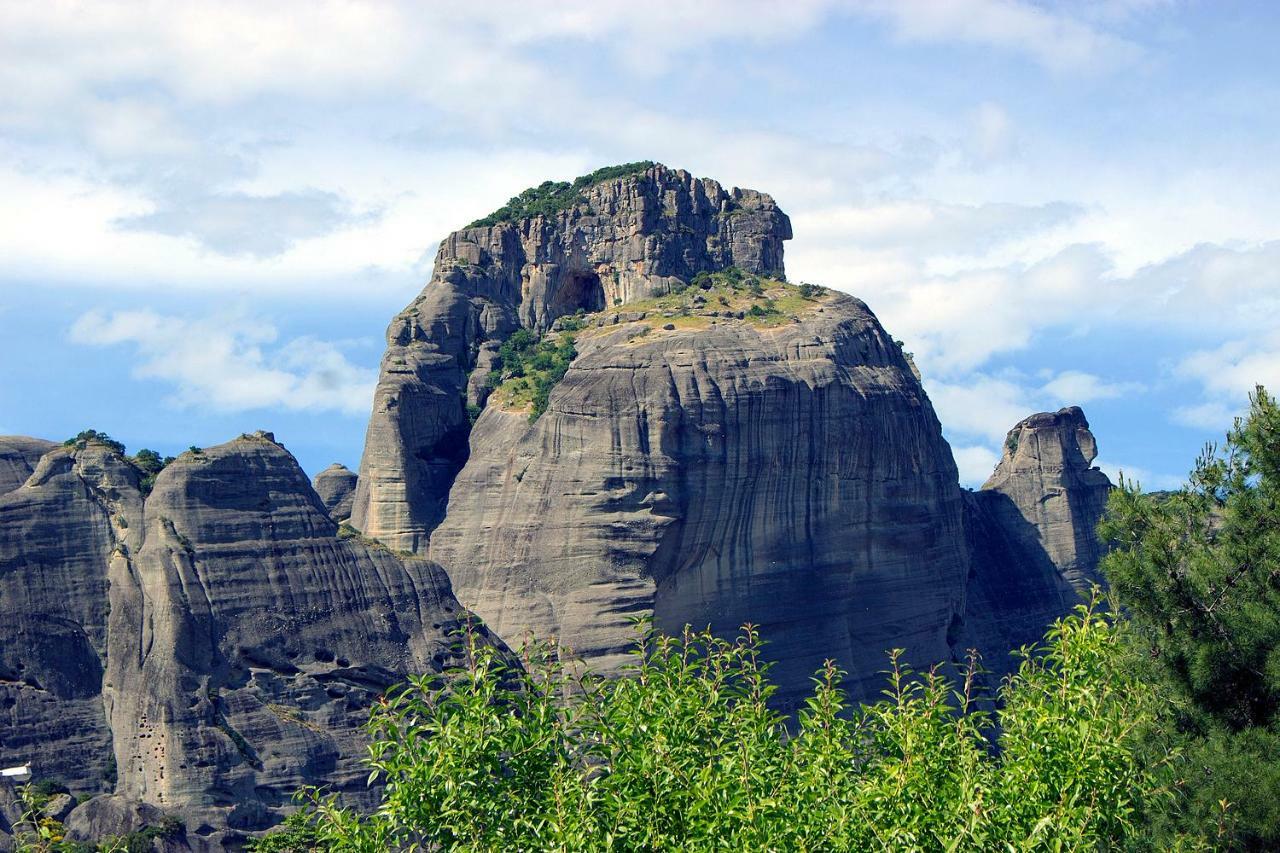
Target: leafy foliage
<point>551,197</point>
<point>150,464</point>
<point>1199,573</point>
<point>84,437</point>
<point>686,754</point>
<point>527,368</point>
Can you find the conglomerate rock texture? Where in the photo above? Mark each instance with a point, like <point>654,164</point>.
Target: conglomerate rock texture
<point>205,651</point>
<point>628,239</point>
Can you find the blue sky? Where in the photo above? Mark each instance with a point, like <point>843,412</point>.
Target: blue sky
<point>210,211</point>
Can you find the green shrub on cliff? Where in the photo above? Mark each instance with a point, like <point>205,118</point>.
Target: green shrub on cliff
<point>527,368</point>
<point>551,197</point>
<point>685,754</point>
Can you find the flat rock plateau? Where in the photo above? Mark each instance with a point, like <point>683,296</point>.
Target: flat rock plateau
<point>607,403</point>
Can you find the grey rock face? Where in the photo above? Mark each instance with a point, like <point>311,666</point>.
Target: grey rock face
<point>1033,547</point>
<point>248,640</point>
<point>1054,495</point>
<point>631,238</point>
<point>792,476</point>
<point>336,486</point>
<point>206,652</point>
<point>18,457</point>
<point>78,511</point>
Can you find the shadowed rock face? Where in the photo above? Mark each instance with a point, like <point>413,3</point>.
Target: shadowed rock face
<point>336,486</point>
<point>794,477</point>
<point>1054,495</point>
<point>630,238</point>
<point>18,458</point>
<point>1032,534</point>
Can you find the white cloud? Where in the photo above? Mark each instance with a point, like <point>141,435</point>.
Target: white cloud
<point>975,463</point>
<point>1214,416</point>
<point>233,363</point>
<point>980,406</point>
<point>1075,388</point>
<point>1055,40</point>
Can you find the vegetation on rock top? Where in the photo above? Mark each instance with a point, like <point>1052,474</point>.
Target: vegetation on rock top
<point>527,368</point>
<point>551,197</point>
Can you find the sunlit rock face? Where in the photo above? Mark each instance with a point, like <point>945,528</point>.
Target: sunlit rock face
<point>629,238</point>
<point>794,477</point>
<point>249,640</point>
<point>203,651</point>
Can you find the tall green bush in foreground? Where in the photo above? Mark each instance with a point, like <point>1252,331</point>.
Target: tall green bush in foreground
<point>1198,572</point>
<point>685,754</point>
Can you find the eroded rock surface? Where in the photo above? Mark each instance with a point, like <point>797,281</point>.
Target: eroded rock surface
<point>629,238</point>
<point>203,653</point>
<point>1055,496</point>
<point>78,511</point>
<point>249,640</point>
<point>720,472</point>
<point>18,458</point>
<point>336,486</point>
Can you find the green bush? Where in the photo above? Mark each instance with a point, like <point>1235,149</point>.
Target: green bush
<point>685,754</point>
<point>534,365</point>
<point>84,437</point>
<point>551,197</point>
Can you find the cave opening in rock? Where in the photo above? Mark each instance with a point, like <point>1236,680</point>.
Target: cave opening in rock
<point>580,289</point>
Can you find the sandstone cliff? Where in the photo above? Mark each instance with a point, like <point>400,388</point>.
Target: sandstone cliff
<point>613,406</point>
<point>58,533</point>
<point>789,473</point>
<point>18,458</point>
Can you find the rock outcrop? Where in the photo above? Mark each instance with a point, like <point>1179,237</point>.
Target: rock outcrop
<point>206,652</point>
<point>720,472</point>
<point>614,408</point>
<point>59,532</point>
<point>626,239</point>
<point>1034,549</point>
<point>18,457</point>
<point>336,486</point>
<point>1055,498</point>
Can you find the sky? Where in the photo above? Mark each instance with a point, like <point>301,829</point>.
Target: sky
<point>209,211</point>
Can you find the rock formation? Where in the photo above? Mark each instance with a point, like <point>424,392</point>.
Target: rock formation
<point>208,651</point>
<point>1054,495</point>
<point>624,239</point>
<point>18,458</point>
<point>336,486</point>
<point>58,533</point>
<point>723,471</point>
<point>606,406</point>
